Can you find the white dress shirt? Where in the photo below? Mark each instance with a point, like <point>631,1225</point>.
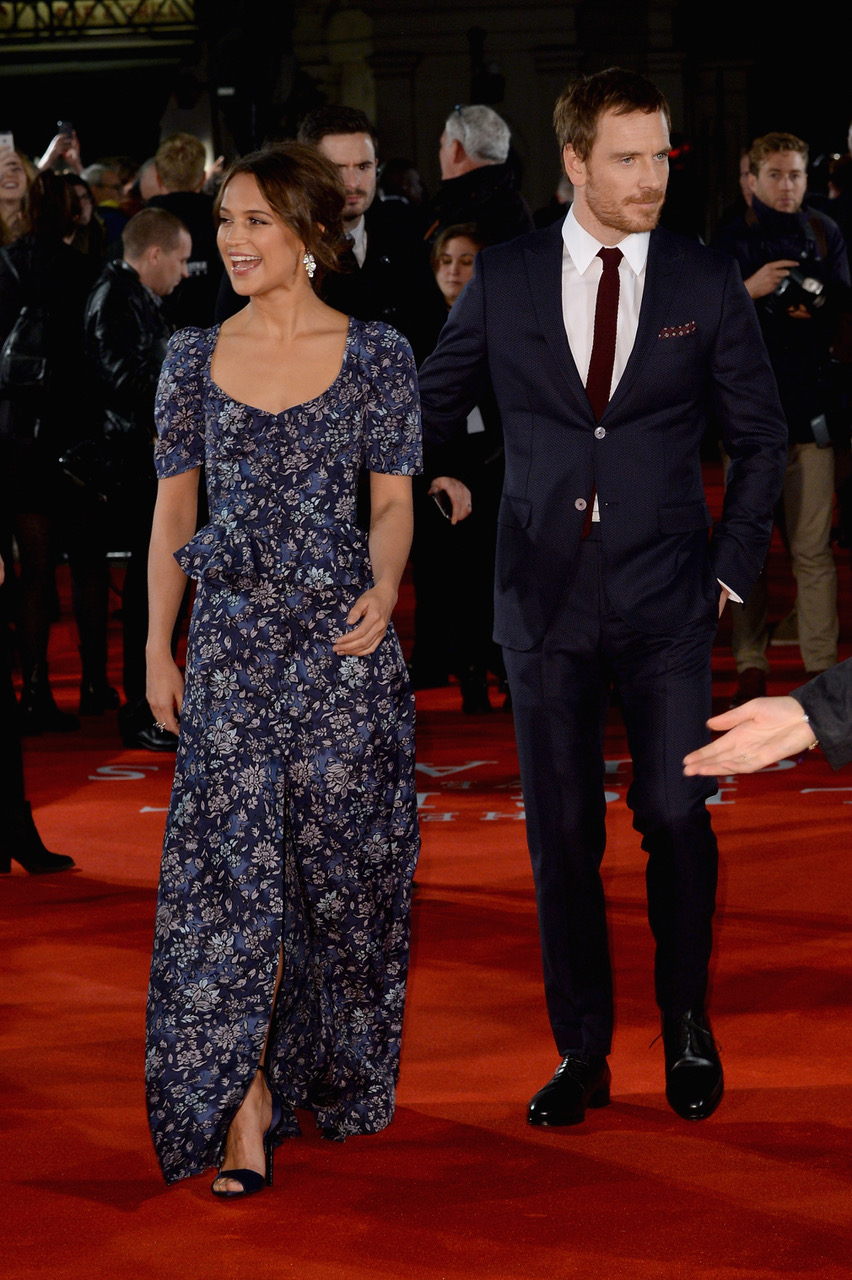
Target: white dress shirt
<point>358,236</point>
<point>581,274</point>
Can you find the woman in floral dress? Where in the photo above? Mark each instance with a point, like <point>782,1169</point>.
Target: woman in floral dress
<point>281,948</point>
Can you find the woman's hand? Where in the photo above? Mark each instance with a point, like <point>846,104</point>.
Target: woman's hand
<point>164,691</point>
<point>371,612</point>
<point>65,146</point>
<point>760,733</point>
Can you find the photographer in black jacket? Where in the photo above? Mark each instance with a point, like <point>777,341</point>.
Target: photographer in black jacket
<point>126,339</point>
<point>794,265</point>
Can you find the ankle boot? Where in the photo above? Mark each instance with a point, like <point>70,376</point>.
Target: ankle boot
<point>19,840</point>
<point>474,691</point>
<point>39,712</point>
<point>97,697</point>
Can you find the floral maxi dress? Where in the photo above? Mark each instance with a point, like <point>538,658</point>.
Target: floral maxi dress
<point>292,828</point>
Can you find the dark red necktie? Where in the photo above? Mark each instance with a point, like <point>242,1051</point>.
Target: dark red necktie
<point>603,348</point>
<point>603,344</point>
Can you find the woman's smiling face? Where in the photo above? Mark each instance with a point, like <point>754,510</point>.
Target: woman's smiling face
<point>259,250</point>
<point>13,178</point>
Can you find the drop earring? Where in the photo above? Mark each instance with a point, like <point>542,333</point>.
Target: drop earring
<point>310,263</point>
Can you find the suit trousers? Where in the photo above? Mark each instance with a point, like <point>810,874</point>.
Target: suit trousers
<point>560,693</point>
<point>808,504</point>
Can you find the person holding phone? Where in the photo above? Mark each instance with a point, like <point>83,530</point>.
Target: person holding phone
<point>454,558</point>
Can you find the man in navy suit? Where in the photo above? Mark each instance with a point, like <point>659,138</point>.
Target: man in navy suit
<point>610,343</point>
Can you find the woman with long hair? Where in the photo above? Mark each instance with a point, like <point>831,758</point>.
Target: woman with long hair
<point>281,946</point>
<point>16,176</point>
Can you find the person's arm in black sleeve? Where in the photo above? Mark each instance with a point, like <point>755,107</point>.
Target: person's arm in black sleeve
<point>127,364</point>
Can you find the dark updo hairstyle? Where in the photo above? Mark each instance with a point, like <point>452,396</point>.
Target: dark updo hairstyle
<point>53,208</point>
<point>306,192</point>
<point>469,230</point>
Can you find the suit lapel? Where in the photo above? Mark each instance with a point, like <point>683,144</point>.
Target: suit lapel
<point>544,268</point>
<point>662,273</point>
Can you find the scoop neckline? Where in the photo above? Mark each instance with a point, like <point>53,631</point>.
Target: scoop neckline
<point>267,413</point>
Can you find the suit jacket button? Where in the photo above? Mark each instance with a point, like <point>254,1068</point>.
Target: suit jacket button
<point>600,432</point>
<point>580,504</point>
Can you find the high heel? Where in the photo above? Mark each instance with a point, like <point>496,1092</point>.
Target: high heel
<point>252,1182</point>
<point>22,842</point>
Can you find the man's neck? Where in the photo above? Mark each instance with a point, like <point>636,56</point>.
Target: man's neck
<point>353,225</point>
<point>604,235</point>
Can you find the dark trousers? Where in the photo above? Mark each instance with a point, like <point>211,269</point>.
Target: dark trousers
<point>560,691</point>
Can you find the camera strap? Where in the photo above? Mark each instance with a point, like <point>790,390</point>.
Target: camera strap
<point>813,229</point>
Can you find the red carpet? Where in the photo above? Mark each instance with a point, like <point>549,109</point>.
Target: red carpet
<point>459,1186</point>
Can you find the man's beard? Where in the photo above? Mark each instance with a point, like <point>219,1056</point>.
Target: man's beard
<point>349,214</point>
<point>628,215</point>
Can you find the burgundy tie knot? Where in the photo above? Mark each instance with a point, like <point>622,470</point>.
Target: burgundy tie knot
<point>610,258</point>
<point>603,344</point>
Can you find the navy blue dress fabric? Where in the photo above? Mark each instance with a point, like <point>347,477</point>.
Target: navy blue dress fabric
<point>292,828</point>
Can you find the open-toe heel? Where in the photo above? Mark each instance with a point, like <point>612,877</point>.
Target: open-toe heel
<point>251,1181</point>
<point>269,1143</point>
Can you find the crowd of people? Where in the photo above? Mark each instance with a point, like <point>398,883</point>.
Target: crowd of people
<point>281,354</point>
<point>76,481</point>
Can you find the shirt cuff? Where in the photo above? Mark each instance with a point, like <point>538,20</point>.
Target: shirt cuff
<point>732,595</point>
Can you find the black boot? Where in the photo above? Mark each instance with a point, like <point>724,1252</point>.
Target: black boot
<point>39,712</point>
<point>474,691</point>
<point>19,840</point>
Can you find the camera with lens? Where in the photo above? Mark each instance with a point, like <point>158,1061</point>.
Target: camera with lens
<point>799,288</point>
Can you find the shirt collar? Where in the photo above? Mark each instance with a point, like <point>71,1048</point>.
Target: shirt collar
<point>358,232</point>
<point>583,247</point>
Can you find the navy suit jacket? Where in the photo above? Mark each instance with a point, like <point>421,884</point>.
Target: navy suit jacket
<point>698,354</point>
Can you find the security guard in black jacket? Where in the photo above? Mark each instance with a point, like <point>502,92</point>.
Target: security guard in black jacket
<point>126,339</point>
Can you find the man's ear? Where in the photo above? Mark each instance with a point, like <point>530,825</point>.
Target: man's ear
<point>457,151</point>
<point>575,168</point>
<point>752,183</point>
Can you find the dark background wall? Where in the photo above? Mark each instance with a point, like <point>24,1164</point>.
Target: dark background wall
<point>254,68</point>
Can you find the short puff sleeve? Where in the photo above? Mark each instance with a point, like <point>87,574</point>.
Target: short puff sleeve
<point>392,431</point>
<point>179,404</point>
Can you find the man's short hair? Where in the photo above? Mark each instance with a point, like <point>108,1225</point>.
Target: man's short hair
<point>484,135</point>
<point>95,173</point>
<point>151,227</point>
<point>770,144</point>
<point>325,121</point>
<point>580,106</point>
<point>180,161</point>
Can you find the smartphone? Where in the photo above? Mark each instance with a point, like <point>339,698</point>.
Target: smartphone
<point>444,504</point>
<point>7,140</point>
<point>65,127</point>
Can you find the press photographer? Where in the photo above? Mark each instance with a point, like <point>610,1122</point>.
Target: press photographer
<point>794,265</point>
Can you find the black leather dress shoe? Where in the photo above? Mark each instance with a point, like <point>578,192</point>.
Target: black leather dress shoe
<point>153,739</point>
<point>694,1080</point>
<point>581,1080</point>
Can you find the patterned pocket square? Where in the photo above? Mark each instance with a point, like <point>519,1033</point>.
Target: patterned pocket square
<point>679,330</point>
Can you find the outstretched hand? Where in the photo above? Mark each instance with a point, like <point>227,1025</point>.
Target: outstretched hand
<point>759,733</point>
